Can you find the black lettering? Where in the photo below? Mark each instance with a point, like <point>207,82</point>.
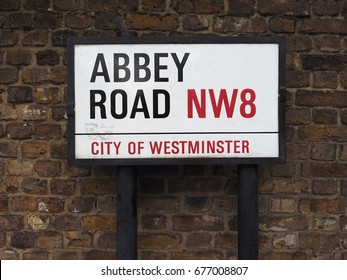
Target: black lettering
<point>100,103</point>
<point>139,98</point>
<point>156,93</point>
<point>124,101</point>
<point>144,67</point>
<point>100,60</point>
<point>118,67</point>
<point>158,67</point>
<point>180,65</point>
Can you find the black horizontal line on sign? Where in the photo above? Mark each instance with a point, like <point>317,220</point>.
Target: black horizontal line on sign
<point>172,133</point>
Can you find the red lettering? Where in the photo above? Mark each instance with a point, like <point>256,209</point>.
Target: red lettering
<point>248,103</point>
<point>199,106</point>
<point>223,99</point>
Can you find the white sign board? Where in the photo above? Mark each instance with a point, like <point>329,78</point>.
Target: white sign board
<point>135,100</point>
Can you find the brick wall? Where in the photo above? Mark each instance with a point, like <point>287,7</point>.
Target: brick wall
<point>50,210</point>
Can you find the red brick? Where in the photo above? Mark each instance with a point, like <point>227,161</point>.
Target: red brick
<point>282,25</point>
<point>79,239</point>
<point>18,57</point>
<point>37,5</point>
<point>81,204</point>
<point>59,37</point>
<point>11,222</point>
<point>335,62</point>
<point>321,98</point>
<point>152,22</point>
<point>36,38</point>
<point>197,222</point>
<point>9,5</point>
<point>66,5</point>
<point>240,25</point>
<point>108,240</point>
<point>47,131</point>
<point>226,241</point>
<point>324,152</point>
<point>199,240</point>
<point>198,6</point>
<point>283,170</point>
<point>283,223</point>
<point>48,168</point>
<point>20,167</point>
<point>159,241</point>
<point>78,20</point>
<point>327,26</point>
<point>195,23</point>
<point>109,5</point>
<point>49,240</point>
<point>23,203</point>
<point>107,204</point>
<point>207,185</point>
<point>266,255</point>
<point>35,75</point>
<point>51,204</point>
<point>297,79</point>
<point>34,186</point>
<point>33,113</point>
<point>321,206</point>
<point>322,133</point>
<point>153,222</point>
<point>324,170</point>
<point>298,116</point>
<point>325,79</point>
<point>47,57</point>
<point>322,223</point>
<point>98,186</point>
<point>154,5</point>
<point>67,222</point>
<point>21,20</point>
<point>168,204</point>
<point>8,75</point>
<point>325,187</point>
<point>298,43</point>
<point>47,95</point>
<point>326,7</point>
<point>47,20</point>
<point>325,116</point>
<point>35,255</point>
<point>284,241</point>
<point>289,7</point>
<point>19,94</point>
<point>23,239</point>
<point>100,255</point>
<point>196,255</point>
<point>327,43</point>
<point>8,38</point>
<point>241,7</point>
<point>8,149</point>
<point>108,21</point>
<point>319,242</point>
<point>100,222</point>
<point>62,187</point>
<point>297,151</point>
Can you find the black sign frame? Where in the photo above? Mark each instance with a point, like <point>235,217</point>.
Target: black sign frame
<point>72,42</point>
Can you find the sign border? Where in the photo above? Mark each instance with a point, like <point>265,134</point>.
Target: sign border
<point>175,40</point>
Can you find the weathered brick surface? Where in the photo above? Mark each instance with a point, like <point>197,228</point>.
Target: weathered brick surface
<point>51,210</point>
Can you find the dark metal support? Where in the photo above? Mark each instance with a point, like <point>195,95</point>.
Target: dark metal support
<point>127,213</point>
<point>127,203</point>
<point>248,212</point>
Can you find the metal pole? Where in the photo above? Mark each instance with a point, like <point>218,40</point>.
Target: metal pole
<point>248,212</point>
<point>127,202</point>
<point>127,213</point>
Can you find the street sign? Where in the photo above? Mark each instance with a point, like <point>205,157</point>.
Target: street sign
<point>173,100</point>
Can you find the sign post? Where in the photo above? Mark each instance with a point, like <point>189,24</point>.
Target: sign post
<point>207,100</point>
